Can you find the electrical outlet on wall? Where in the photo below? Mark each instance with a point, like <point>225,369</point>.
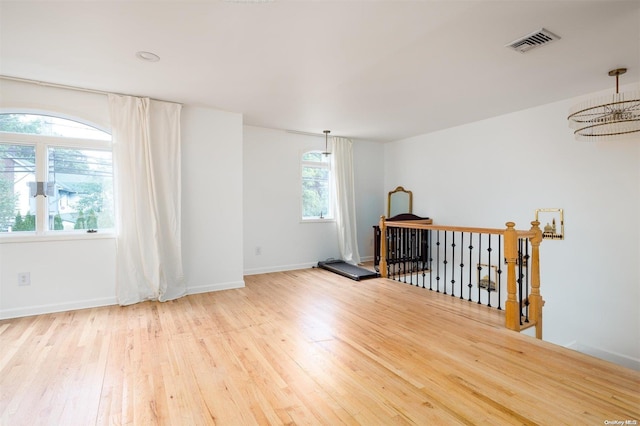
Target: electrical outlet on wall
<point>24,278</point>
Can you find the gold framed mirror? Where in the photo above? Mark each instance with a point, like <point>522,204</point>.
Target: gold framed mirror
<point>399,201</point>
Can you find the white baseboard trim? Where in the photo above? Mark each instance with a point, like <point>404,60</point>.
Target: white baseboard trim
<point>266,270</point>
<point>206,288</point>
<point>616,358</point>
<point>96,303</point>
<point>57,307</point>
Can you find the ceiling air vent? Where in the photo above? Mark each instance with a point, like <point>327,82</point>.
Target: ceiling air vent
<point>533,40</point>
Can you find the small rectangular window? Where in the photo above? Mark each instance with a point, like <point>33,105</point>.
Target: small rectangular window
<point>316,186</point>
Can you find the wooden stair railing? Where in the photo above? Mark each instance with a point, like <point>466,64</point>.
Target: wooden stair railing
<point>514,302</point>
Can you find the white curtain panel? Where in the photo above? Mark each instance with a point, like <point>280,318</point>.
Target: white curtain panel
<point>146,158</point>
<point>345,199</point>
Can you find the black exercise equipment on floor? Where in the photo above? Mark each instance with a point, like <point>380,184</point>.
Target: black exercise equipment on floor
<point>347,270</point>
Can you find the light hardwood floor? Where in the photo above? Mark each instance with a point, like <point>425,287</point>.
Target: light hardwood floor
<point>299,347</point>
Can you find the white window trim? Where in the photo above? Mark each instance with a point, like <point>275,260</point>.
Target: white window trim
<point>75,235</point>
<point>63,142</point>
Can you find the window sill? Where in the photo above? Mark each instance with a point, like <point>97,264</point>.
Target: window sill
<point>71,236</point>
<point>326,220</point>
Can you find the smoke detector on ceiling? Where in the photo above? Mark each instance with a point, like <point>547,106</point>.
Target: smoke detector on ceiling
<point>531,41</point>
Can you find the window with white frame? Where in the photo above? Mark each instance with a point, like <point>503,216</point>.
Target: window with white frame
<point>56,175</point>
<point>317,188</point>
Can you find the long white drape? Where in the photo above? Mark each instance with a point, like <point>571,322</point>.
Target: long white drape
<point>146,154</point>
<point>345,197</point>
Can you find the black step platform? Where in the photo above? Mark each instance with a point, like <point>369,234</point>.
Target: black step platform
<point>347,270</point>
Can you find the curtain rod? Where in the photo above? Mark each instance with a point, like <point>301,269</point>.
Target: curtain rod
<point>77,89</point>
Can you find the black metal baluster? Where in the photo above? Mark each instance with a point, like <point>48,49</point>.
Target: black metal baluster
<point>453,263</point>
<point>444,282</point>
<point>499,277</point>
<point>438,261</point>
<point>461,264</point>
<point>407,254</point>
<point>388,254</point>
<point>405,243</point>
<point>414,261</point>
<point>423,255</point>
<point>389,248</point>
<point>393,252</point>
<point>430,260</point>
<point>387,236</point>
<point>418,255</point>
<point>469,285</point>
<point>489,271</point>
<point>419,244</point>
<point>410,255</point>
<point>398,253</point>
<point>479,267</point>
<point>525,266</point>
<point>520,295</point>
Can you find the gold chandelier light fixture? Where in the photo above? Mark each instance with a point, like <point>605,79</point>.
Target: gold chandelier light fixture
<point>608,117</point>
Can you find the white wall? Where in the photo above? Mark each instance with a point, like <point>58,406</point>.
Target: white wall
<point>272,201</point>
<point>211,199</point>
<point>65,275</point>
<point>74,273</point>
<point>368,166</point>
<point>504,168</point>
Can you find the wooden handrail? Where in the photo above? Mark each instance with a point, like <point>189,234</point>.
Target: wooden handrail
<point>511,237</point>
<point>417,225</point>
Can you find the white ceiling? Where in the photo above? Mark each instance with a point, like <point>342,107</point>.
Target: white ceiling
<point>375,70</point>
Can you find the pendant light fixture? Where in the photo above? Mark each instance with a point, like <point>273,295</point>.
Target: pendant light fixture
<point>609,117</point>
<point>326,142</point>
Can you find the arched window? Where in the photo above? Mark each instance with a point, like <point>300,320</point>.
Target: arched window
<point>317,187</point>
<point>56,175</point>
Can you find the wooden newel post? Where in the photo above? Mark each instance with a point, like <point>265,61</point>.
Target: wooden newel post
<point>512,308</point>
<point>383,248</point>
<point>535,298</point>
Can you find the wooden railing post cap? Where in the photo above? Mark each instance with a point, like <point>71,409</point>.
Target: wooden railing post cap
<point>510,225</point>
<point>537,239</point>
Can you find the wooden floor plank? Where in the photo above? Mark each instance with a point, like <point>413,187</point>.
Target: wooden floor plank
<point>300,347</point>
